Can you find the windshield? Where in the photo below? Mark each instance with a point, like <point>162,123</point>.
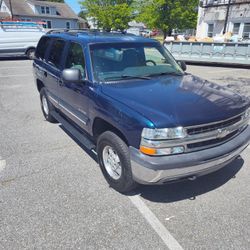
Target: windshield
<point>119,61</point>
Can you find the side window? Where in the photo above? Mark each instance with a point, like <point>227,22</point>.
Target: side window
<point>42,47</point>
<point>75,58</point>
<point>56,53</point>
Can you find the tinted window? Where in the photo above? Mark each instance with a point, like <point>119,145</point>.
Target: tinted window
<point>42,46</point>
<point>56,53</point>
<point>75,58</point>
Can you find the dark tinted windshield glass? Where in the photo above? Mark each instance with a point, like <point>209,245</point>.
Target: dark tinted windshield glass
<point>42,47</point>
<point>56,53</point>
<point>118,61</point>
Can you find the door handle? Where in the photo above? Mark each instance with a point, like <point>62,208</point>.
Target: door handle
<point>60,82</point>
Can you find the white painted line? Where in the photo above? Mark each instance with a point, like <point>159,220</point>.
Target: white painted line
<point>21,75</point>
<point>2,165</point>
<point>159,228</point>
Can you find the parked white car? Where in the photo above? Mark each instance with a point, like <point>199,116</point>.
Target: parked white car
<point>19,38</point>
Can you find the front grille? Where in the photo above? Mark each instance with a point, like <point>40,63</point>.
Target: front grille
<point>213,142</point>
<point>211,127</point>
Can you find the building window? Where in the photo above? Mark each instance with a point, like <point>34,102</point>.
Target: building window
<point>47,10</point>
<point>26,19</point>
<point>47,24</point>
<point>67,25</point>
<point>236,28</point>
<point>42,9</point>
<point>246,31</point>
<point>210,30</point>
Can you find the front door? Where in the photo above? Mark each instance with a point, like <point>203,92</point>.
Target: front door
<point>74,101</point>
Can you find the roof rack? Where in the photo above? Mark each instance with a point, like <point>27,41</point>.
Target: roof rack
<point>71,30</point>
<point>75,31</point>
<point>20,24</point>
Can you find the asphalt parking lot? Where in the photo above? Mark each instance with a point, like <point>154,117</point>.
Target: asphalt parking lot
<point>53,194</point>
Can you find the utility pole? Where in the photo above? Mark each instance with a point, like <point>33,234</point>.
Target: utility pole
<point>227,15</point>
<point>11,11</point>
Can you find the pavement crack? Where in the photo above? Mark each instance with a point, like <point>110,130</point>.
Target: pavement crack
<point>11,180</point>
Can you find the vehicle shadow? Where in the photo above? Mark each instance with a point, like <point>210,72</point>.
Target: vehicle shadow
<point>183,190</point>
<point>179,190</point>
<point>89,152</point>
<point>17,58</point>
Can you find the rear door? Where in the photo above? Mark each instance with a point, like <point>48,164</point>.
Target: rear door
<point>54,68</point>
<point>74,101</point>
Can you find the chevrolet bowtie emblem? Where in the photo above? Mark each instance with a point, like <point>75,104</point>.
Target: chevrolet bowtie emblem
<point>222,133</point>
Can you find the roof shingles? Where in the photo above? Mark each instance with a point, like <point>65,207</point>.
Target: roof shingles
<point>22,8</point>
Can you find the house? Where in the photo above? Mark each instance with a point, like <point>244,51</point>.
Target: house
<point>54,15</point>
<point>221,16</point>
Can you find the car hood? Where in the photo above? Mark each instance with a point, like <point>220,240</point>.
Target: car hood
<point>170,101</point>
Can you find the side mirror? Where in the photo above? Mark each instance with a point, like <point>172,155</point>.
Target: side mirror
<point>72,75</point>
<point>182,65</point>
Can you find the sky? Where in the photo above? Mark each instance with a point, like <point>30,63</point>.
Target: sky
<point>74,5</point>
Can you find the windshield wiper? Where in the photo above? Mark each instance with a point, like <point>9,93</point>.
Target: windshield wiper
<point>165,73</point>
<point>128,77</point>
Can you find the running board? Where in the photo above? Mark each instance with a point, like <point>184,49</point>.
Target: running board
<point>74,132</point>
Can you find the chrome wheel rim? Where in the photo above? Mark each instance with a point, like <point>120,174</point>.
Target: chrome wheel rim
<point>45,105</point>
<point>112,163</point>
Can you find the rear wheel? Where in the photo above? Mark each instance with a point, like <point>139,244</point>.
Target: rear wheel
<point>46,106</point>
<point>31,53</point>
<point>114,160</point>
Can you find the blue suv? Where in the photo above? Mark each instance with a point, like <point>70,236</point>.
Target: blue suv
<point>126,98</point>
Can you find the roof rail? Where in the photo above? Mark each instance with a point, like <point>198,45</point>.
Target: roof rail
<point>54,31</point>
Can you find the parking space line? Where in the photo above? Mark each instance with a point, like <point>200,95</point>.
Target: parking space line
<point>159,228</point>
<point>2,164</point>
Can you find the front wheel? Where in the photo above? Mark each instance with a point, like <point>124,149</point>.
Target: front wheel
<point>114,160</point>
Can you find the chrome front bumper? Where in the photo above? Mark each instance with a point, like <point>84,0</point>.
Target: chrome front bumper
<point>158,170</point>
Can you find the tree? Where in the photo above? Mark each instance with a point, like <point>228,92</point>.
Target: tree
<point>109,14</point>
<point>167,15</point>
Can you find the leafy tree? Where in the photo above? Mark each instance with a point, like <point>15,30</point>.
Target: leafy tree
<point>82,14</point>
<point>109,14</point>
<point>167,15</point>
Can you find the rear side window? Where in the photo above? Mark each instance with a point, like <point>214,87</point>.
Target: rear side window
<point>42,47</point>
<point>56,53</point>
<point>75,58</point>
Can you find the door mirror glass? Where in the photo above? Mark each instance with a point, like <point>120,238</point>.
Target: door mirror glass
<point>183,65</point>
<point>72,75</point>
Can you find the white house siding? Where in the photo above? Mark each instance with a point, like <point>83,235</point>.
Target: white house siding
<point>55,23</point>
<point>217,15</point>
<point>4,8</point>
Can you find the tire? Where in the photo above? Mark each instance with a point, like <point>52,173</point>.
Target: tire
<point>31,53</point>
<point>46,107</point>
<point>121,180</point>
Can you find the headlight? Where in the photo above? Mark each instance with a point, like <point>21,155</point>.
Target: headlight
<point>151,137</point>
<point>164,133</point>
